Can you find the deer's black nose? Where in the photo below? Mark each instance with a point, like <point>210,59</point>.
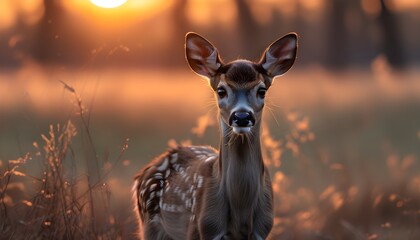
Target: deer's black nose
<point>242,119</point>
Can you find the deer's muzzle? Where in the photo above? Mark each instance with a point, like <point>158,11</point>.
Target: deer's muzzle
<point>242,119</point>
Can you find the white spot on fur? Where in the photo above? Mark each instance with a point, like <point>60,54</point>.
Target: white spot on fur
<point>172,207</point>
<point>141,195</point>
<point>163,166</point>
<point>153,186</point>
<point>198,152</point>
<point>200,181</point>
<point>152,195</point>
<point>193,202</point>
<point>174,158</point>
<point>155,218</point>
<point>167,188</point>
<point>211,158</point>
<point>146,183</point>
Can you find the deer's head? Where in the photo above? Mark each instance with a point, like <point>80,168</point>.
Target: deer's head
<point>240,85</point>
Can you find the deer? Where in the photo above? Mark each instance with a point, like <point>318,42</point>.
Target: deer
<point>198,192</point>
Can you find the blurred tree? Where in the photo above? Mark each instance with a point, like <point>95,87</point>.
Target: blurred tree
<point>11,44</point>
<point>298,21</point>
<point>248,30</point>
<point>392,39</point>
<point>45,43</point>
<point>181,27</point>
<point>337,54</point>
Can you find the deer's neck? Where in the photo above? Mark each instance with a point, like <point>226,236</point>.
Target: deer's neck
<point>241,169</point>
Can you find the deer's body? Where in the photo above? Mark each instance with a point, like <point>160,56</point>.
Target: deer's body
<point>199,193</point>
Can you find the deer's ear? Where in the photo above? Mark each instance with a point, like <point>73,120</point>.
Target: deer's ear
<point>201,55</point>
<point>279,57</point>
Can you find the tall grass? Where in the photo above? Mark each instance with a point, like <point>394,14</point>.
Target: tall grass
<point>323,189</point>
<point>60,203</point>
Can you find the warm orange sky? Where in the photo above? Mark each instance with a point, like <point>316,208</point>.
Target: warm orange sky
<point>202,12</point>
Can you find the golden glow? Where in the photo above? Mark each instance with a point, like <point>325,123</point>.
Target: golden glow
<point>372,8</point>
<point>207,13</point>
<point>27,12</point>
<point>401,5</point>
<point>312,5</point>
<point>108,3</point>
<point>8,17</point>
<point>133,11</point>
<point>103,24</point>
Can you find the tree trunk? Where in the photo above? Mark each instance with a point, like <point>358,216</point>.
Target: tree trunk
<point>46,47</point>
<point>248,30</point>
<point>337,53</point>
<point>392,44</point>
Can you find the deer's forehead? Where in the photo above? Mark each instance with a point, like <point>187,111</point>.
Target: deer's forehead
<point>225,82</point>
<point>240,75</point>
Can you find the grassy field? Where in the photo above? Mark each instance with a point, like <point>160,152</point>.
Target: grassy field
<point>343,149</point>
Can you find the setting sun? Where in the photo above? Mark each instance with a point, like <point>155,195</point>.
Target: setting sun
<point>108,3</point>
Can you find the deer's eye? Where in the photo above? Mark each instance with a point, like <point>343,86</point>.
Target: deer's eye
<point>261,92</point>
<point>221,92</point>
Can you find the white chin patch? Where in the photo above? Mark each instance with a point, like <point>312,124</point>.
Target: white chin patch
<point>241,130</point>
